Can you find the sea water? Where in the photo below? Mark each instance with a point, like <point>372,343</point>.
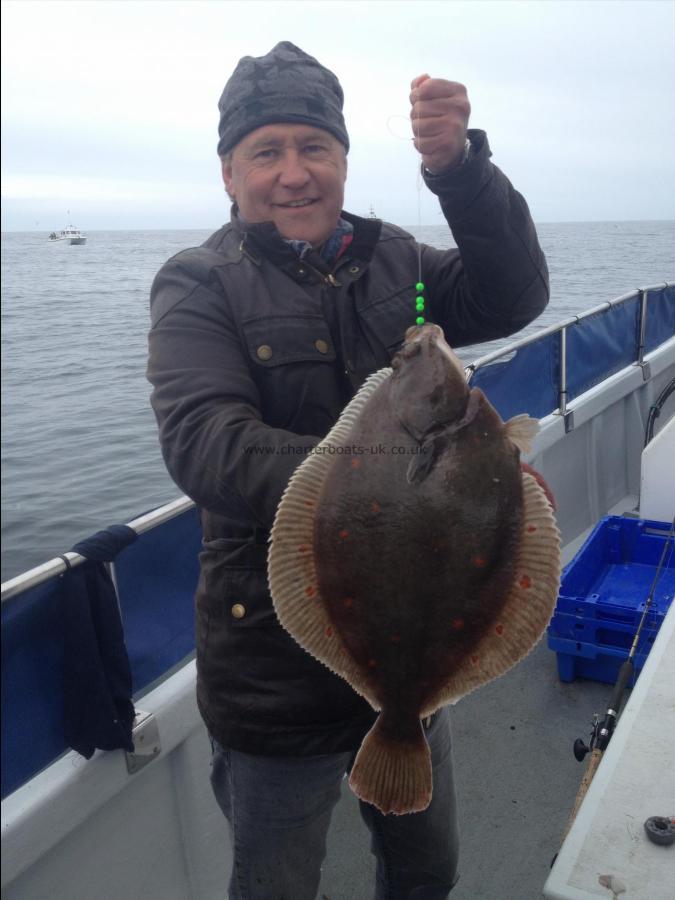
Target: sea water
<point>79,439</point>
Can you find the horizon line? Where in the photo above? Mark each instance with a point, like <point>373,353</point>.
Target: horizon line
<point>38,229</point>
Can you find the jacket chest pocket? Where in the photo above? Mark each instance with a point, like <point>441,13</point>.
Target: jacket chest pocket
<point>388,318</point>
<point>234,589</point>
<point>292,359</point>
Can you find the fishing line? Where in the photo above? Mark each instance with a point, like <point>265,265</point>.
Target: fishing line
<point>419,286</point>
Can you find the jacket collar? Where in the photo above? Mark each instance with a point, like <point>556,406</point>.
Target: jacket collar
<point>263,239</point>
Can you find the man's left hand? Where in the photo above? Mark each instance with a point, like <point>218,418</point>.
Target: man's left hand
<point>440,115</point>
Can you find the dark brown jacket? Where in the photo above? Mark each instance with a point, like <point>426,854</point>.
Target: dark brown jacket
<point>253,355</point>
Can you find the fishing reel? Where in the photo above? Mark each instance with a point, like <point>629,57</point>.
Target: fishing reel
<point>580,748</point>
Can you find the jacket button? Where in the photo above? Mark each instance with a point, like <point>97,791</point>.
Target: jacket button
<point>321,346</point>
<point>354,269</point>
<point>238,611</point>
<point>264,352</point>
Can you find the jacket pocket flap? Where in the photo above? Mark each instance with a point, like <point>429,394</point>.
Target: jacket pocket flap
<point>277,340</point>
<point>236,593</point>
<point>390,317</point>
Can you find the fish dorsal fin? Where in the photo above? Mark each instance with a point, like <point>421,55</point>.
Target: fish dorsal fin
<point>528,606</point>
<point>291,570</point>
<point>522,430</point>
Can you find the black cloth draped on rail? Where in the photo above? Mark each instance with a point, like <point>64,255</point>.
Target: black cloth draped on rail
<point>98,709</point>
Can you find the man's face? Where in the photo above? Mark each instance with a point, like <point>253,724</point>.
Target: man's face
<point>291,175</point>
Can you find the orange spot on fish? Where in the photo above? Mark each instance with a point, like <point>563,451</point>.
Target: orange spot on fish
<point>310,590</point>
<point>474,659</point>
<point>457,624</point>
<point>329,631</point>
<point>499,629</point>
<point>344,533</point>
<point>372,663</point>
<point>525,581</point>
<point>375,507</point>
<point>303,548</point>
<point>531,528</point>
<point>479,561</point>
<point>348,602</point>
<point>356,463</point>
<point>395,638</point>
<point>309,503</point>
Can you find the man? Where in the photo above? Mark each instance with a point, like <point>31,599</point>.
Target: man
<point>259,338</point>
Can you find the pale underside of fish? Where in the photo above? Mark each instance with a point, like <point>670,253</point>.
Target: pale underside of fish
<point>414,557</point>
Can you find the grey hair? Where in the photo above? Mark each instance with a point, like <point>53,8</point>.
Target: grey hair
<point>226,159</point>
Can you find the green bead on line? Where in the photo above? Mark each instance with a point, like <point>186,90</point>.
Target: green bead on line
<point>420,307</point>
<point>419,287</point>
<point>419,299</point>
<point>419,320</point>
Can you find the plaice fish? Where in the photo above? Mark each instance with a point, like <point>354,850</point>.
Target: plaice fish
<point>413,556</point>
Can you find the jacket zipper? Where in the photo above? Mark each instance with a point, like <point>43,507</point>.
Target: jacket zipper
<point>327,279</point>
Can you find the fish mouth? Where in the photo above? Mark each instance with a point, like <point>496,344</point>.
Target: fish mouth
<point>429,331</point>
<point>429,337</point>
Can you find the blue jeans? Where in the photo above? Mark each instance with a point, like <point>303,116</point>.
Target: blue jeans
<point>279,810</point>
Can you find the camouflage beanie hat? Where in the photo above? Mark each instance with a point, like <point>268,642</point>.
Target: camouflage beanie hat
<point>286,85</point>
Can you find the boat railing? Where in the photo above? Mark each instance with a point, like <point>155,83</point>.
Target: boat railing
<point>60,564</point>
<point>154,578</point>
<point>554,353</point>
<point>572,356</point>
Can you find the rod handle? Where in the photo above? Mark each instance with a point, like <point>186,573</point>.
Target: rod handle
<point>591,768</point>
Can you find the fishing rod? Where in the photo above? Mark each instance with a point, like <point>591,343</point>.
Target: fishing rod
<point>602,731</point>
<point>655,410</point>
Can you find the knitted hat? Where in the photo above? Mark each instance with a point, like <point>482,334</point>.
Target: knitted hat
<point>286,85</point>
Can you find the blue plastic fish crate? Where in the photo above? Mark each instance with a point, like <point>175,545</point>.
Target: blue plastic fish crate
<point>602,596</point>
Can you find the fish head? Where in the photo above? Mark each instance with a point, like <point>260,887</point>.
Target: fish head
<point>428,387</point>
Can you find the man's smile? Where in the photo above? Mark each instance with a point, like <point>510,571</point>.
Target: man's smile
<point>297,204</point>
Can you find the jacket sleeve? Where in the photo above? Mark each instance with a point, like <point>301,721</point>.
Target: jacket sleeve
<point>498,282</point>
<point>215,445</point>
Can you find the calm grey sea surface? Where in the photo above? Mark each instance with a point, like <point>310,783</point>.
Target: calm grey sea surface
<point>79,441</point>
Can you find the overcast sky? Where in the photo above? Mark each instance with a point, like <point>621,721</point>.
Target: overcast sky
<point>109,108</point>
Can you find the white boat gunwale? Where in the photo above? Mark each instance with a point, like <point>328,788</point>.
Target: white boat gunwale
<point>71,789</point>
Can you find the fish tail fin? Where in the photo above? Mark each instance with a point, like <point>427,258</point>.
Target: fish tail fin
<point>393,774</point>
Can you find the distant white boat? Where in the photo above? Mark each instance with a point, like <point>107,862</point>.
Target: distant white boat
<point>70,234</point>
